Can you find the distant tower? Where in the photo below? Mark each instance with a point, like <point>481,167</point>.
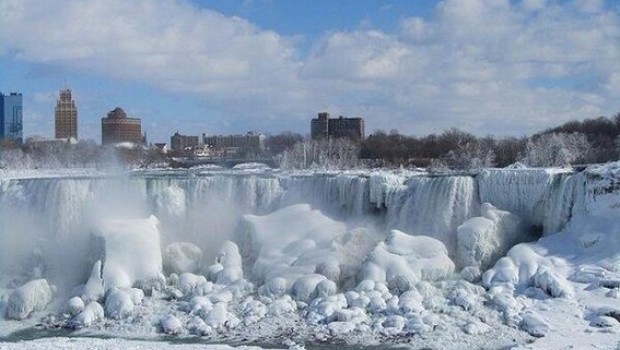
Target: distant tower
<point>11,126</point>
<point>66,116</point>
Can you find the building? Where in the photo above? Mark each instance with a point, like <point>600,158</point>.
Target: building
<point>11,121</point>
<point>180,142</point>
<point>325,127</point>
<point>117,128</point>
<point>65,116</point>
<point>248,145</point>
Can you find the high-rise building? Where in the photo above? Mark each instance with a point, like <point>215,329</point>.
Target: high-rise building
<point>65,116</point>
<point>117,128</point>
<point>323,127</point>
<point>11,122</point>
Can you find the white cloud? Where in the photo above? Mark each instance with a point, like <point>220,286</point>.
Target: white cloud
<point>496,66</point>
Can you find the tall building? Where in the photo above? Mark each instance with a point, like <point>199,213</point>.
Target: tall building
<point>11,121</point>
<point>117,128</point>
<point>65,116</point>
<point>323,127</point>
<point>180,142</point>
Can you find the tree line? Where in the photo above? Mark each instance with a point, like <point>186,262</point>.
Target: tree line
<point>589,141</point>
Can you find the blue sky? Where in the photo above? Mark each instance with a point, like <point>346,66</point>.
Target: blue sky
<point>209,66</point>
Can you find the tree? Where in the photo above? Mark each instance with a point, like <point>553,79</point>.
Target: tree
<point>341,153</point>
<point>556,149</point>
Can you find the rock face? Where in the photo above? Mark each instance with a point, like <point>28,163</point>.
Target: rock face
<point>32,296</point>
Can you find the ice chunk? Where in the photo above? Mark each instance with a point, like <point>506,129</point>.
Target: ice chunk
<point>182,257</point>
<point>92,313</point>
<point>118,304</point>
<point>93,290</point>
<point>304,287</point>
<point>482,240</point>
<point>552,283</point>
<point>340,328</point>
<point>198,327</point>
<point>190,284</point>
<point>131,250</point>
<point>171,325</point>
<point>74,306</point>
<point>32,296</point>
<point>535,324</point>
<point>230,261</point>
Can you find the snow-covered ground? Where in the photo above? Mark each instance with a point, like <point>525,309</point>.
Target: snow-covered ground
<point>505,258</point>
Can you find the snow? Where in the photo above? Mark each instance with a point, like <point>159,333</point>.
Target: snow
<point>402,260</point>
<point>180,257</point>
<point>359,257</point>
<point>131,251</point>
<point>484,239</point>
<point>32,296</point>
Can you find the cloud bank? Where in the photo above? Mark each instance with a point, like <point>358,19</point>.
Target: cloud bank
<point>488,66</point>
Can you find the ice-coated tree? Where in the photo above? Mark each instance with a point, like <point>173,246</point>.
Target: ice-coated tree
<point>556,149</point>
<point>340,153</point>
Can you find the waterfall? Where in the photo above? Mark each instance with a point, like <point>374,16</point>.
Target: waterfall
<point>203,208</point>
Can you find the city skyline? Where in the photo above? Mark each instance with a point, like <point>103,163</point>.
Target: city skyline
<point>486,66</point>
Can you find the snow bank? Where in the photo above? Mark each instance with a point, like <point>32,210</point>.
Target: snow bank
<point>131,251</point>
<point>31,297</point>
<point>403,260</point>
<point>482,240</point>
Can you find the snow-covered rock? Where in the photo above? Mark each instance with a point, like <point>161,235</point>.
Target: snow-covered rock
<point>131,251</point>
<point>31,297</point>
<point>480,241</point>
<point>403,260</point>
<point>74,306</point>
<point>118,304</point>
<point>93,313</point>
<point>171,325</point>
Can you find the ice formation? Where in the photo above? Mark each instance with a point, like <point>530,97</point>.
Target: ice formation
<point>482,240</point>
<point>131,251</point>
<point>361,257</point>
<point>32,296</point>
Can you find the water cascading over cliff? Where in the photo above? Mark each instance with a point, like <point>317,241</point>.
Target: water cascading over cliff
<point>56,214</point>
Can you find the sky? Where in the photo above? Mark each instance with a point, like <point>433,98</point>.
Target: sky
<point>501,67</point>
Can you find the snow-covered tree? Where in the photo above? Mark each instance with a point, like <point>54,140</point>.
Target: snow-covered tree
<point>339,153</point>
<point>556,149</point>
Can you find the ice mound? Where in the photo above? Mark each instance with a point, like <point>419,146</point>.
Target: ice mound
<point>93,290</point>
<point>281,254</point>
<point>182,257</point>
<point>120,303</point>
<point>228,265</point>
<point>131,251</point>
<point>526,266</point>
<point>403,260</point>
<point>92,313</point>
<point>482,240</point>
<point>31,297</point>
